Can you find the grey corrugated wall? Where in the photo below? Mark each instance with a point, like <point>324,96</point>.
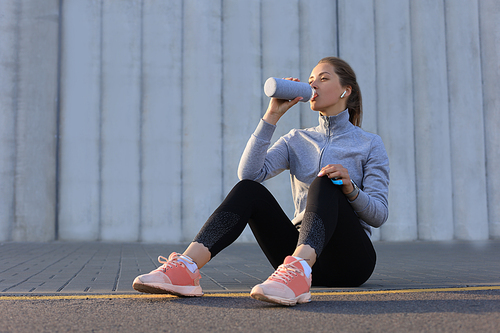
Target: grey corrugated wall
<point>125,120</point>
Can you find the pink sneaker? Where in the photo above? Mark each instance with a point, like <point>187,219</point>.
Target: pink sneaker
<point>288,285</point>
<point>173,277</point>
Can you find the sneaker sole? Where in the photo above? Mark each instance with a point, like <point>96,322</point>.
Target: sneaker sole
<point>304,298</point>
<point>187,291</point>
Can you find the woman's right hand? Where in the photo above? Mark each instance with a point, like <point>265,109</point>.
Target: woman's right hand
<point>278,107</point>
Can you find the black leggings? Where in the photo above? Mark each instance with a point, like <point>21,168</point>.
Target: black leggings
<point>345,254</point>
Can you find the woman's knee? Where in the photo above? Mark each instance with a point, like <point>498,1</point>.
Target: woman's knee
<point>323,182</point>
<point>244,190</point>
<point>247,186</point>
<point>323,187</point>
<point>247,183</point>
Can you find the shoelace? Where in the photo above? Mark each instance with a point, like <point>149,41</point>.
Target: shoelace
<point>286,272</point>
<point>171,261</point>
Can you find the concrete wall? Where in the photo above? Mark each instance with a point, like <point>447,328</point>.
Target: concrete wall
<point>28,119</point>
<point>125,120</point>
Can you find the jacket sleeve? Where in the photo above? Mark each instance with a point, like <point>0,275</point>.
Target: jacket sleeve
<point>372,205</point>
<point>258,163</point>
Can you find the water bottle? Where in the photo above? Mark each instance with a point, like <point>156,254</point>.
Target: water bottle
<point>286,89</point>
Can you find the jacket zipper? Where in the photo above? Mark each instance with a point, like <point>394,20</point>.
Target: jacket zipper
<point>324,147</point>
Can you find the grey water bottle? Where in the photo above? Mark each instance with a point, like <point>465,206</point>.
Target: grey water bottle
<point>286,89</point>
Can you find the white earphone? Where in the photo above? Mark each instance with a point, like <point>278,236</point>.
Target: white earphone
<point>343,94</point>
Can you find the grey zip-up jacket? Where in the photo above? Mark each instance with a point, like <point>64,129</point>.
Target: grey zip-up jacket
<point>305,152</point>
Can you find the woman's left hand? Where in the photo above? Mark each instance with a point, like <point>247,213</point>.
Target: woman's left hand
<point>338,172</point>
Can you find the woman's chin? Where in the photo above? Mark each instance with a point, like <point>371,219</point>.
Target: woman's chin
<point>314,107</point>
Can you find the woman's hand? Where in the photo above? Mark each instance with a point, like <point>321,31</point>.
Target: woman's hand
<point>338,172</point>
<point>278,107</point>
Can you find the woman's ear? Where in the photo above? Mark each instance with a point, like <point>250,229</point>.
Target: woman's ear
<point>346,92</point>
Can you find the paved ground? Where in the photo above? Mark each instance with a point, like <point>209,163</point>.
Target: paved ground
<point>417,286</point>
<point>59,267</point>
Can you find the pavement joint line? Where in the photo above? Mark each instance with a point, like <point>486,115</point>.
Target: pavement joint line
<point>240,294</point>
<point>213,280</point>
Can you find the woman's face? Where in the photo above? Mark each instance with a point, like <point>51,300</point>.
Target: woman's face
<point>328,90</point>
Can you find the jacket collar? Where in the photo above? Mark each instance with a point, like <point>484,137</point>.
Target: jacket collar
<point>338,124</point>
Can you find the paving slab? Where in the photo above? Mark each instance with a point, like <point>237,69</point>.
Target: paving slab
<point>109,268</point>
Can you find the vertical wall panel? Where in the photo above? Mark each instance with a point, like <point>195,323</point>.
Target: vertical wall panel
<point>315,44</point>
<point>80,121</point>
<point>161,121</point>
<point>280,58</point>
<point>121,56</point>
<point>241,85</point>
<point>357,47</point>
<point>490,55</point>
<point>395,115</point>
<point>8,89</point>
<point>202,139</point>
<point>35,180</point>
<point>466,119</point>
<point>432,134</point>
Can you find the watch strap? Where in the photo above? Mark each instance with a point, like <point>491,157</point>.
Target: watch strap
<point>354,192</point>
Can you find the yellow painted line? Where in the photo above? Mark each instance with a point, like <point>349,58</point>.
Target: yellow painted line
<point>241,294</point>
<point>402,291</point>
<point>70,297</point>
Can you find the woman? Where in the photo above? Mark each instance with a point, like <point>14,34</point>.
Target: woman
<point>328,241</point>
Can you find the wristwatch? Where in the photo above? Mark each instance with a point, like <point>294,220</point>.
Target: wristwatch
<point>354,192</point>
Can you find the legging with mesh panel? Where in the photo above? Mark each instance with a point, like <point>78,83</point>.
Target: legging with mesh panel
<point>345,254</point>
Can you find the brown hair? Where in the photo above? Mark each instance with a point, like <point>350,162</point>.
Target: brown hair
<point>347,77</point>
